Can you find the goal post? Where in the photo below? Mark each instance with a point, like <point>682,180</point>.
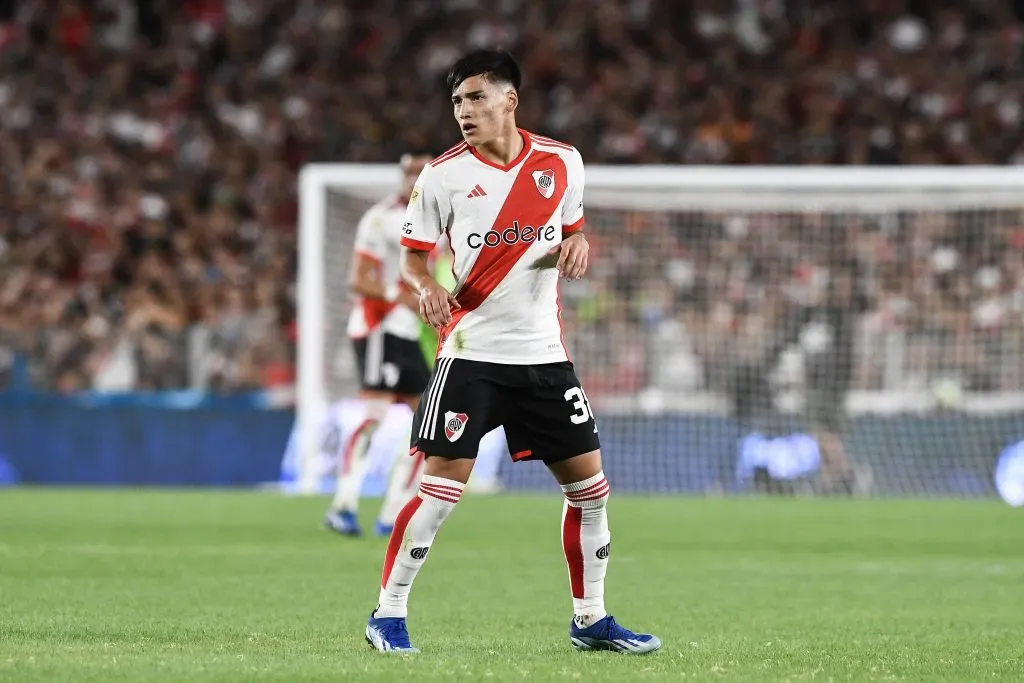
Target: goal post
<point>744,324</point>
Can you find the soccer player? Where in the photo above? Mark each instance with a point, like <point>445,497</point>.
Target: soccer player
<point>385,329</point>
<point>511,204</point>
<point>829,374</point>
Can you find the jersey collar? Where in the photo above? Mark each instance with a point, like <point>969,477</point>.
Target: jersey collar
<point>512,164</point>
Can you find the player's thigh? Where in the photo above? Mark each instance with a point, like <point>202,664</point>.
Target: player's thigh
<point>552,420</point>
<point>457,408</point>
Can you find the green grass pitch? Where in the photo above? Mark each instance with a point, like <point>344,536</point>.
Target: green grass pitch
<point>212,586</point>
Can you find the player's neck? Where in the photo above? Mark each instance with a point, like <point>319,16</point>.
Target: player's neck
<point>503,149</point>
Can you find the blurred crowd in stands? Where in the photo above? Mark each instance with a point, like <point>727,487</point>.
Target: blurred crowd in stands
<point>897,301</point>
<point>149,152</point>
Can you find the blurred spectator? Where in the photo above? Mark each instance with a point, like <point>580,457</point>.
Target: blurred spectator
<point>149,152</point>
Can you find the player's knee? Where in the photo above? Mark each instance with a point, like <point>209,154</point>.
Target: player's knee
<point>576,469</point>
<point>454,469</point>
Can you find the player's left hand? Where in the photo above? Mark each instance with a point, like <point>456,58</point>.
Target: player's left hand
<point>572,256</point>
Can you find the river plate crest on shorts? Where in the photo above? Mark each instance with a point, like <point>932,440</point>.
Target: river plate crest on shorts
<point>454,425</point>
<point>545,182</point>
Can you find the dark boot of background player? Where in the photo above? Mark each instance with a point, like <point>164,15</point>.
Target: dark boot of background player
<point>765,484</point>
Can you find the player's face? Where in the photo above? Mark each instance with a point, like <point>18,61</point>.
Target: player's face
<point>481,108</point>
<point>412,166</point>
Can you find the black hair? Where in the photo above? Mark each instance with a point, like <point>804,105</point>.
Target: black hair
<point>496,65</point>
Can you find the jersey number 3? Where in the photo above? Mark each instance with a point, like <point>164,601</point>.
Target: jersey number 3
<point>580,404</point>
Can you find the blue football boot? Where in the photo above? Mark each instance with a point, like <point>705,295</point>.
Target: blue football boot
<point>607,635</point>
<point>342,522</point>
<point>388,634</point>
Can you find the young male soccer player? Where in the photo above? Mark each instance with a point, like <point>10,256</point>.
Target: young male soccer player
<point>511,204</point>
<point>385,331</point>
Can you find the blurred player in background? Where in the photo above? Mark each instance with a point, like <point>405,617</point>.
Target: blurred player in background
<point>385,331</point>
<point>511,206</point>
<point>394,350</point>
<point>829,369</point>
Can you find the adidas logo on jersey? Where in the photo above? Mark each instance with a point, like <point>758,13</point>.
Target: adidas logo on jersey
<point>512,235</point>
<point>477,191</point>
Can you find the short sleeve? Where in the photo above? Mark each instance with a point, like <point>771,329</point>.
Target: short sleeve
<point>428,211</point>
<point>370,236</point>
<point>572,209</point>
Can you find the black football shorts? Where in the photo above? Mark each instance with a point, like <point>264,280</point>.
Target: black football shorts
<point>391,364</point>
<point>543,408</point>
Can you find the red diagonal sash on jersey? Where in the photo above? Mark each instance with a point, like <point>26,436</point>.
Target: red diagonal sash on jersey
<point>375,310</point>
<point>525,204</point>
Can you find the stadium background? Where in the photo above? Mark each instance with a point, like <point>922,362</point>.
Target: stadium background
<point>148,203</point>
<point>149,154</point>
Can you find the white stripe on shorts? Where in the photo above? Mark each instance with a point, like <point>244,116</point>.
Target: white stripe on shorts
<point>374,359</point>
<point>427,428</point>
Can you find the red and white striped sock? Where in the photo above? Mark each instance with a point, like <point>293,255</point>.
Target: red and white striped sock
<point>414,532</point>
<point>586,541</point>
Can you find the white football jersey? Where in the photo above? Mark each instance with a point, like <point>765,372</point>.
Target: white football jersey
<point>377,238</point>
<point>500,222</point>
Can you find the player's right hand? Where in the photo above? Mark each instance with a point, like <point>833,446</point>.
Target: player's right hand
<point>437,304</point>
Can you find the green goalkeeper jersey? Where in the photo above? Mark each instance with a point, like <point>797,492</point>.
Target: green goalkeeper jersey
<point>428,335</point>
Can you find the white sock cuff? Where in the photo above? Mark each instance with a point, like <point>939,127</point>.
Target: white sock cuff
<point>439,488</point>
<point>592,492</point>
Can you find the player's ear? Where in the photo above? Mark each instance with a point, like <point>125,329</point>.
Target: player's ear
<point>511,100</point>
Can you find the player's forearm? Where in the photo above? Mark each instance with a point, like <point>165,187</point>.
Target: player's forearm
<point>415,270</point>
<point>368,288</point>
<point>393,293</point>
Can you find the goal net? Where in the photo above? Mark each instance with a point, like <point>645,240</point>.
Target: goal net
<point>755,329</point>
